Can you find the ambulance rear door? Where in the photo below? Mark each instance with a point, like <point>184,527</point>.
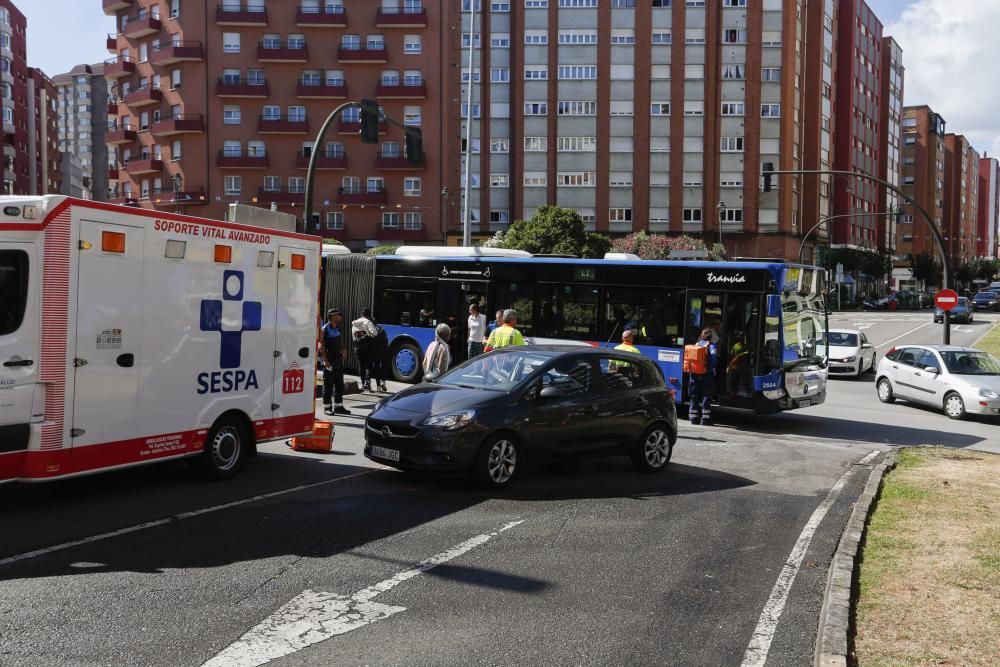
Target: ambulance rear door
<point>295,331</point>
<point>19,335</point>
<point>108,333</point>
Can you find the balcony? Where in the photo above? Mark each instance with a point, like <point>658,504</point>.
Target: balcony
<point>401,90</point>
<point>112,7</point>
<point>231,87</point>
<point>113,172</point>
<point>354,127</point>
<point>144,26</point>
<point>267,125</point>
<point>281,196</point>
<point>396,162</point>
<point>278,52</point>
<point>321,17</point>
<point>177,51</point>
<point>349,53</point>
<point>179,124</point>
<point>140,97</point>
<point>165,197</point>
<point>115,136</point>
<point>233,14</point>
<point>401,17</point>
<point>318,90</point>
<point>113,106</point>
<point>323,160</point>
<point>112,43</point>
<point>147,165</point>
<point>8,127</point>
<point>231,159</point>
<point>359,197</point>
<point>119,68</point>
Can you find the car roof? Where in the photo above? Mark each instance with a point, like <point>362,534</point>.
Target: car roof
<point>563,350</point>
<point>850,331</point>
<point>942,348</point>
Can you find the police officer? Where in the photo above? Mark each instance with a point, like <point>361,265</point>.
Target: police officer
<point>333,352</point>
<point>701,384</point>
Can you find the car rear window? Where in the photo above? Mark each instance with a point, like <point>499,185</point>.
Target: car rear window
<point>13,289</point>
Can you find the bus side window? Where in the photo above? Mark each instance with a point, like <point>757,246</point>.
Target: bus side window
<point>657,314</point>
<point>517,295</point>
<point>407,302</point>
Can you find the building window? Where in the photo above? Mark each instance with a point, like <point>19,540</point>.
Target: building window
<point>770,110</point>
<point>575,37</point>
<point>659,109</point>
<point>577,109</point>
<point>465,111</point>
<point>536,37</point>
<point>586,72</point>
<point>662,37</point>
<point>576,178</point>
<point>692,215</point>
<point>499,216</point>
<point>500,40</point>
<point>230,115</point>
<point>175,150</point>
<point>732,145</point>
<point>375,184</point>
<point>535,144</point>
<point>499,180</point>
<point>411,44</point>
<point>620,179</point>
<point>733,108</point>
<point>233,185</point>
<point>696,108</point>
<point>733,71</point>
<point>577,4</point>
<point>619,215</point>
<point>271,112</point>
<point>334,220</point>
<point>536,73</point>
<point>734,36</point>
<point>412,220</point>
<point>731,215</point>
<point>535,179</point>
<point>230,42</point>
<point>390,220</point>
<point>411,186</point>
<point>535,108</point>
<point>297,114</point>
<point>623,35</point>
<point>412,116</point>
<point>500,145</point>
<point>272,184</point>
<point>770,74</point>
<point>576,144</point>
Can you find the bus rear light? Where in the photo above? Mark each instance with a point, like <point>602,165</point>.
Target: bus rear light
<point>298,262</point>
<point>113,242</point>
<point>223,254</point>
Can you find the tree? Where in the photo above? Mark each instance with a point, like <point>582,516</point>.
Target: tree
<point>386,249</point>
<point>659,246</point>
<point>926,270</point>
<point>554,230</point>
<point>965,273</point>
<point>331,242</point>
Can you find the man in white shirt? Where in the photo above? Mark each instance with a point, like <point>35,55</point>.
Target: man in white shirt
<point>477,331</point>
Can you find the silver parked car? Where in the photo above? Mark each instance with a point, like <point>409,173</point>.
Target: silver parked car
<point>958,380</point>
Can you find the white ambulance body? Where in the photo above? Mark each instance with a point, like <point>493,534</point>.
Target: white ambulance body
<point>129,336</point>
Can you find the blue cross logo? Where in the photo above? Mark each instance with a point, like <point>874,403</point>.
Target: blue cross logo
<point>230,347</point>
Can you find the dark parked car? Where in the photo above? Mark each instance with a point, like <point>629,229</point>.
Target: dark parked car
<point>962,312</point>
<point>987,301</point>
<point>544,403</point>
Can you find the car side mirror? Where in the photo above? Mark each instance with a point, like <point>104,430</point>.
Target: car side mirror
<point>934,370</point>
<point>550,392</point>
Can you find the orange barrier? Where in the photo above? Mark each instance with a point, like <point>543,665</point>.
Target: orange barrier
<point>321,439</point>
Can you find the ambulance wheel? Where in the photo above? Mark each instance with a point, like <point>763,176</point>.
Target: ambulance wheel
<point>406,362</point>
<point>226,448</point>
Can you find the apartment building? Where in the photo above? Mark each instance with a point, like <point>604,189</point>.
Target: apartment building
<point>988,211</point>
<point>640,115</point>
<point>14,94</point>
<point>45,160</point>
<point>83,119</point>
<point>221,103</point>
<point>961,198</point>
<point>856,203</point>
<point>923,182</point>
<point>890,142</point>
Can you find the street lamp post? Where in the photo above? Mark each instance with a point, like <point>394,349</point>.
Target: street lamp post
<point>823,221</point>
<point>722,211</point>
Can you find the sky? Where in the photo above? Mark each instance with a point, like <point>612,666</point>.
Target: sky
<point>947,51</point>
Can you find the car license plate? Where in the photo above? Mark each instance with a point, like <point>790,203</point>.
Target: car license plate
<point>805,403</point>
<point>383,453</point>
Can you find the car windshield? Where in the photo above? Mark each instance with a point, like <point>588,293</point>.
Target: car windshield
<point>971,363</point>
<point>839,339</point>
<point>499,372</point>
<point>986,295</point>
<point>962,301</point>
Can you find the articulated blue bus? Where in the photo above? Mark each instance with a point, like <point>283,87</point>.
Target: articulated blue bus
<point>767,316</point>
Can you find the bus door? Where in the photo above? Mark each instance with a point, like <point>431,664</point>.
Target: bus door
<point>453,299</point>
<point>734,319</point>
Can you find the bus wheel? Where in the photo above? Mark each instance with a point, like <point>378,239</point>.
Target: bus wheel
<point>226,448</point>
<point>405,362</point>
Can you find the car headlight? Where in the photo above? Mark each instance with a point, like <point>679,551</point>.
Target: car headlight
<point>988,393</point>
<point>849,360</point>
<point>451,421</point>
<point>774,394</point>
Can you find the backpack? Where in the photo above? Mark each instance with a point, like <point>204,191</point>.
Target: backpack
<point>696,359</point>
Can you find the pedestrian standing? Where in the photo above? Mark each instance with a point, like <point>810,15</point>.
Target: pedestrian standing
<point>333,352</point>
<point>363,334</point>
<point>437,358</point>
<point>507,334</point>
<point>380,357</point>
<point>701,362</point>
<point>495,324</point>
<point>477,331</point>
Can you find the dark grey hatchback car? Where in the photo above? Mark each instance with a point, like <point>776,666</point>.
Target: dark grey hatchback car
<point>490,415</point>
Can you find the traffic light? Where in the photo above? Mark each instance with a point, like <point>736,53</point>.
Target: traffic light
<point>414,146</point>
<point>369,122</point>
<point>768,168</point>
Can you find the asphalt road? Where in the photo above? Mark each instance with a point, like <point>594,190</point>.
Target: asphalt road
<point>330,559</point>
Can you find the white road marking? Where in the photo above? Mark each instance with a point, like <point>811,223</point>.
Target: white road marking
<point>763,634</point>
<point>177,517</point>
<point>892,340</point>
<point>869,457</point>
<point>314,616</point>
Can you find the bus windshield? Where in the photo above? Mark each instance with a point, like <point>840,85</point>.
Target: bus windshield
<point>803,309</point>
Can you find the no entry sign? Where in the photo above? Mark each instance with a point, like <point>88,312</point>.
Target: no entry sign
<point>946,299</point>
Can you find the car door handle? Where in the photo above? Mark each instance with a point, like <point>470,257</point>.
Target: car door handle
<point>19,362</point>
<point>917,374</point>
<point>126,360</point>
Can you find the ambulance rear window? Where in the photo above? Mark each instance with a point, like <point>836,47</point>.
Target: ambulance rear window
<point>13,289</point>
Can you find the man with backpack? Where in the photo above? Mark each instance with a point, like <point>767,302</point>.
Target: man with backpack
<point>701,362</point>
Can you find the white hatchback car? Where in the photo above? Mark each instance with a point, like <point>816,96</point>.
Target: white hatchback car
<point>958,380</point>
<point>850,352</point>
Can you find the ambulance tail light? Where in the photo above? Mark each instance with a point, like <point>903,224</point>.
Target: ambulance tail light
<point>298,262</point>
<point>112,242</point>
<point>223,254</point>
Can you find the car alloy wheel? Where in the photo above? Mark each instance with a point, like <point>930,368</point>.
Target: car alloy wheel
<point>657,448</point>
<point>497,462</point>
<point>954,406</point>
<point>885,391</point>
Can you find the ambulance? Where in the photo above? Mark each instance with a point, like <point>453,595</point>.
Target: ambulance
<point>130,336</point>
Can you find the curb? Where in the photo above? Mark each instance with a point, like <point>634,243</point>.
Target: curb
<point>833,641</point>
<point>979,340</point>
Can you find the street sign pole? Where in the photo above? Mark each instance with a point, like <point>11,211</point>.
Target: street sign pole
<point>947,327</point>
<point>946,299</point>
